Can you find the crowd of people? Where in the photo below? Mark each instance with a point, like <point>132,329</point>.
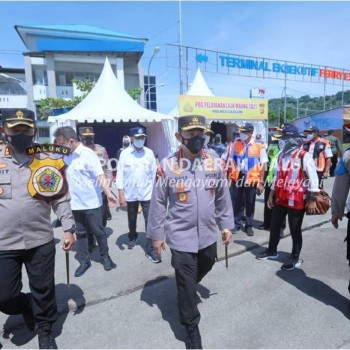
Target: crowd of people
<point>202,188</point>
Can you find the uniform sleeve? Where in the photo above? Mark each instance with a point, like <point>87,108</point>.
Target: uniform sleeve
<point>62,209</point>
<point>153,164</point>
<point>158,207</point>
<point>223,205</point>
<point>328,151</point>
<point>108,166</point>
<point>120,174</point>
<point>263,156</point>
<point>94,165</point>
<point>310,169</point>
<point>341,189</point>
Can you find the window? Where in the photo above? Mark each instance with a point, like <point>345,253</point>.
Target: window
<point>44,132</point>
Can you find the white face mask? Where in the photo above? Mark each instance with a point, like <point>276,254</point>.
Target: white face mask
<point>243,136</point>
<point>139,143</point>
<point>281,144</point>
<point>309,136</point>
<point>207,139</point>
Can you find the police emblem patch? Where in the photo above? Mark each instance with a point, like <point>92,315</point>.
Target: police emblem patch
<point>182,197</point>
<point>1,190</point>
<point>47,181</point>
<point>3,165</point>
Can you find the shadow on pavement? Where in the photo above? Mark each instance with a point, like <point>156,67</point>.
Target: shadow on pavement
<point>17,332</point>
<point>161,292</point>
<point>316,289</point>
<point>123,240</point>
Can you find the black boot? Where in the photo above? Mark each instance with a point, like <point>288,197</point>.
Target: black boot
<point>46,340</point>
<point>193,340</point>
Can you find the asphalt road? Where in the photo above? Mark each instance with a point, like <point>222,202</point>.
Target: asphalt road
<point>252,304</point>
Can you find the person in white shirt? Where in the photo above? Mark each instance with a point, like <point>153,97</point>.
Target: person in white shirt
<point>136,173</point>
<point>86,178</point>
<point>289,191</point>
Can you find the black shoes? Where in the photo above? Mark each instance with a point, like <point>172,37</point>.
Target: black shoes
<point>46,340</point>
<point>236,229</point>
<point>133,242</point>
<point>266,255</point>
<point>193,340</point>
<point>107,263</point>
<point>249,231</point>
<point>82,268</point>
<point>154,257</point>
<point>263,227</point>
<point>291,264</point>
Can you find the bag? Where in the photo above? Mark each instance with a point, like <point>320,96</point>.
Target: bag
<point>323,203</point>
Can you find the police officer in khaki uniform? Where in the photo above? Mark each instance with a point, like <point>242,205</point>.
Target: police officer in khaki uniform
<point>29,187</point>
<point>190,198</point>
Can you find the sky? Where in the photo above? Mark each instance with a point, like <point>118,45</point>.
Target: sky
<point>306,32</point>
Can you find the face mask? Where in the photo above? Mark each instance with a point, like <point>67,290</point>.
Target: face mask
<point>243,136</point>
<point>194,144</point>
<point>309,136</point>
<point>126,144</point>
<point>138,143</point>
<point>88,141</point>
<point>20,141</point>
<point>207,139</point>
<point>281,144</point>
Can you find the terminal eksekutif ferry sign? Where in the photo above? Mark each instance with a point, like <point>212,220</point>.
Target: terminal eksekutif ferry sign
<point>276,67</point>
<point>220,108</point>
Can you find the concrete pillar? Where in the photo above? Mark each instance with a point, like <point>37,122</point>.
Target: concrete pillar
<point>51,76</point>
<point>29,83</point>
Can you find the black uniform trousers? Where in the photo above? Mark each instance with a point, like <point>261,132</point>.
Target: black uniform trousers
<point>133,208</point>
<point>334,161</point>
<point>89,219</point>
<point>40,265</point>
<point>295,220</point>
<point>268,211</point>
<point>190,268</point>
<point>243,199</point>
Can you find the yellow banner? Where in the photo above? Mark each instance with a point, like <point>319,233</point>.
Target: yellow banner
<point>224,107</point>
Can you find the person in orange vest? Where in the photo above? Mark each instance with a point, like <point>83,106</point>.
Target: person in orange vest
<point>320,150</point>
<point>247,163</point>
<point>289,191</point>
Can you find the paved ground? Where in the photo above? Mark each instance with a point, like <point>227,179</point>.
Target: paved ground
<point>253,304</point>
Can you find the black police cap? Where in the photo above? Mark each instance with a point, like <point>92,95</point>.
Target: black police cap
<point>189,122</point>
<point>12,117</point>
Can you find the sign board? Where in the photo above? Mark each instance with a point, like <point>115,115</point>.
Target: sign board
<point>257,93</point>
<point>220,108</point>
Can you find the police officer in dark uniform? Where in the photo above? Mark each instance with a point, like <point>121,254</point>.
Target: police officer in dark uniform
<point>189,200</point>
<point>29,189</point>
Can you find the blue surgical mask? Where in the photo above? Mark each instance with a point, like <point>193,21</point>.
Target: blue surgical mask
<point>139,143</point>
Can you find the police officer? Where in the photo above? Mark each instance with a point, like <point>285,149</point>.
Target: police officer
<point>28,192</point>
<point>87,138</point>
<point>320,150</point>
<point>190,198</point>
<point>218,146</point>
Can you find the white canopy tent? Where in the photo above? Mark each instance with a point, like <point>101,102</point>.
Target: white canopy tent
<point>198,87</point>
<point>109,102</point>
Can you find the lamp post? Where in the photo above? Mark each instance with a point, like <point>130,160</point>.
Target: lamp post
<point>285,103</point>
<point>22,83</point>
<point>155,51</point>
<point>148,90</point>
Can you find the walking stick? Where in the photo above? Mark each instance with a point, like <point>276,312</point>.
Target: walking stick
<point>66,243</point>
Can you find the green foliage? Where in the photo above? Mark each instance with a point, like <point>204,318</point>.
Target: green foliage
<point>305,106</point>
<point>135,93</point>
<point>46,105</point>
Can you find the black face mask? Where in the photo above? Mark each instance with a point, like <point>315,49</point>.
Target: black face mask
<point>20,141</point>
<point>194,144</point>
<point>126,144</point>
<point>88,140</point>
